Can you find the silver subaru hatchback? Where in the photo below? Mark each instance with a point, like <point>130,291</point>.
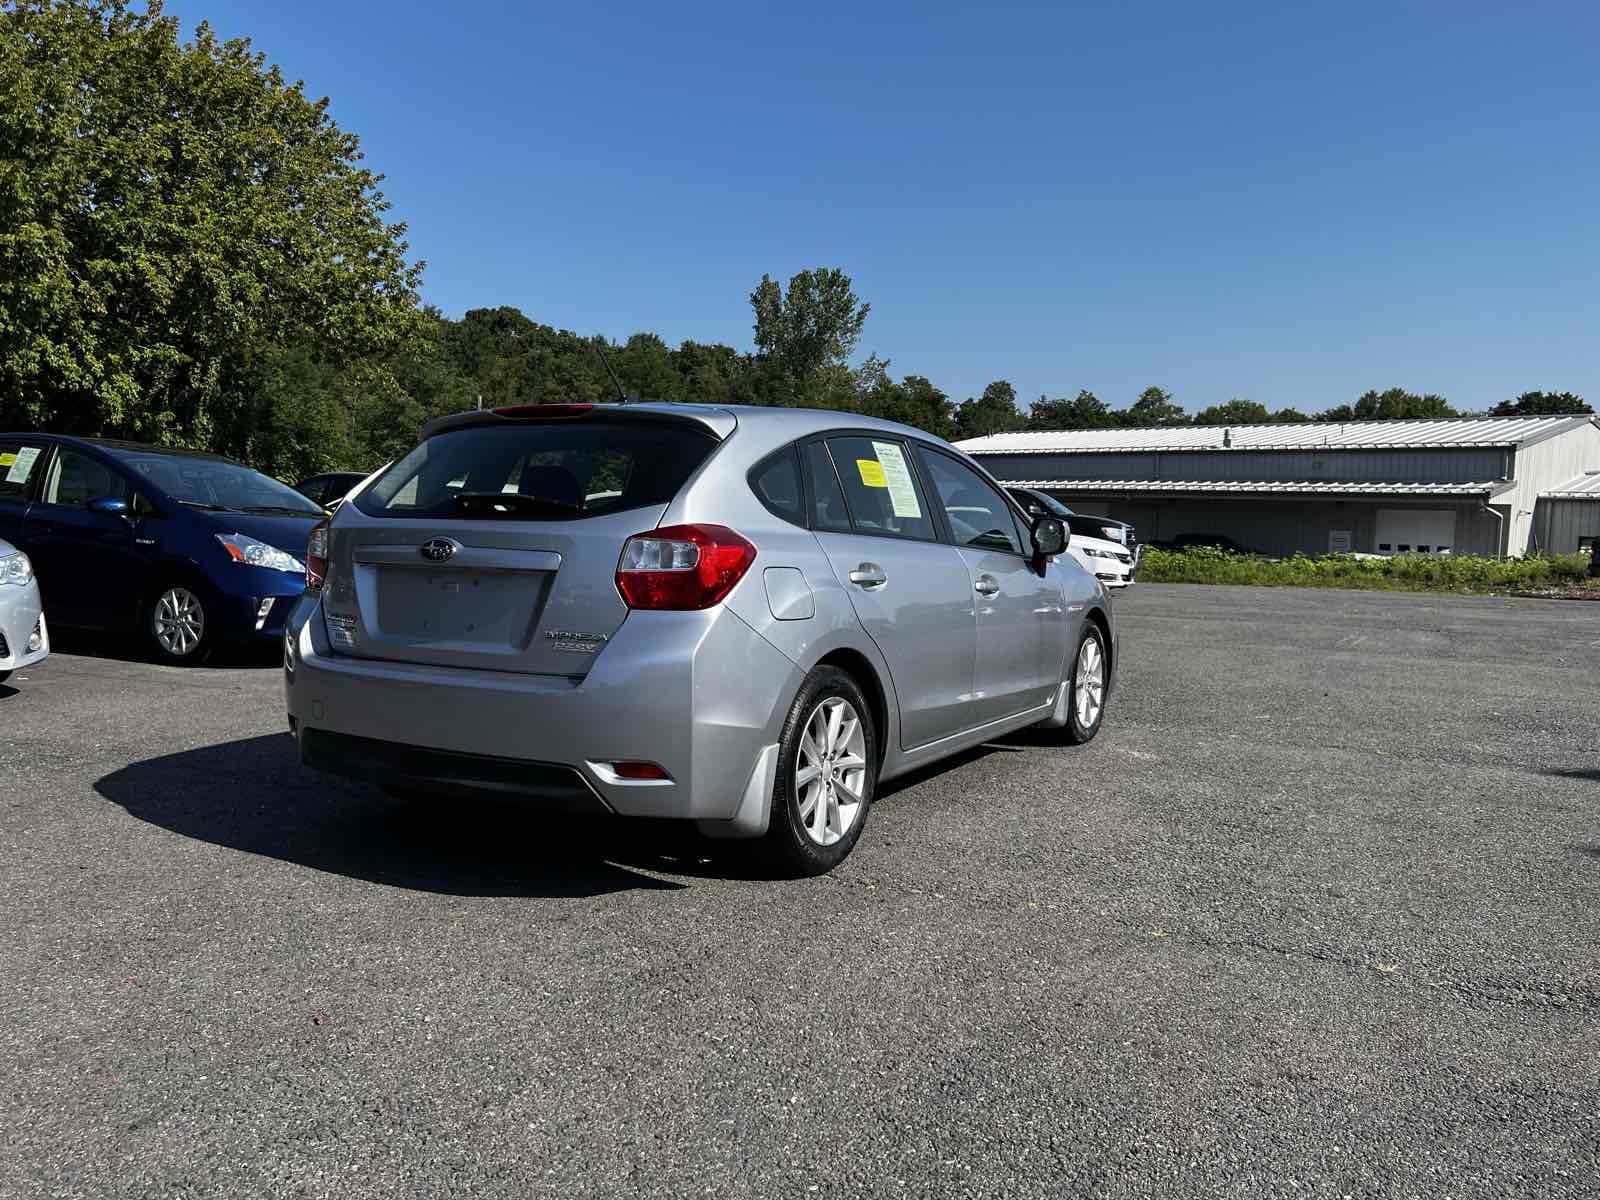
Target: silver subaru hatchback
<point>747,618</point>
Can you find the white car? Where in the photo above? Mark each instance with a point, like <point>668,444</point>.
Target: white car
<point>1099,544</point>
<point>1110,562</point>
<point>23,637</point>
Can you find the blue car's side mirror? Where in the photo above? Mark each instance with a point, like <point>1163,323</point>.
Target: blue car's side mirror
<point>108,506</point>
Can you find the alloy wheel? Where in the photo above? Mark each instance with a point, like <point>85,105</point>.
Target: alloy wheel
<point>830,774</point>
<point>1090,682</point>
<point>179,622</point>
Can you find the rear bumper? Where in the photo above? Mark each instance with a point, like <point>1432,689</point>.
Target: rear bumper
<point>392,764</point>
<point>701,694</point>
<point>20,615</point>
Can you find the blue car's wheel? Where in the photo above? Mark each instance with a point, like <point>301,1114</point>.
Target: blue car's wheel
<point>177,624</point>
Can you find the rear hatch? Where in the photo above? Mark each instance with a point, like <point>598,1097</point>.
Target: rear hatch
<point>494,543</point>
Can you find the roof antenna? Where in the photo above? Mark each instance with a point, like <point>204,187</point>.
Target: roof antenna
<point>601,354</point>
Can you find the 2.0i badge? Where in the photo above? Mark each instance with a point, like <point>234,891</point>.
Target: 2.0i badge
<point>574,643</point>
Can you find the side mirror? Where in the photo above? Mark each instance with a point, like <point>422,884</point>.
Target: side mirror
<point>1049,536</point>
<point>109,506</point>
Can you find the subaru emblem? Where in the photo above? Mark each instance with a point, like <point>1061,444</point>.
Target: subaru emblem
<point>438,549</point>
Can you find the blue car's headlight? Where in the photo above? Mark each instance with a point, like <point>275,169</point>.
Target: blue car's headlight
<point>15,568</point>
<point>251,553</point>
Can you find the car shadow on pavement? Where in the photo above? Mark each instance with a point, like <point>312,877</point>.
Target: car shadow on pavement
<point>1590,773</point>
<point>7,691</point>
<point>253,795</point>
<point>129,648</point>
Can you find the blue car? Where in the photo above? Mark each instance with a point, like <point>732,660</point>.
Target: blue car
<point>186,550</point>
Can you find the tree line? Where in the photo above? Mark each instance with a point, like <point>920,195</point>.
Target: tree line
<point>193,253</point>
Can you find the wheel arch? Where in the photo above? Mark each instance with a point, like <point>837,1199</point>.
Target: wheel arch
<point>859,667</point>
<point>1103,623</point>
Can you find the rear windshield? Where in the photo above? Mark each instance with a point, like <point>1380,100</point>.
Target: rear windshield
<point>540,472</point>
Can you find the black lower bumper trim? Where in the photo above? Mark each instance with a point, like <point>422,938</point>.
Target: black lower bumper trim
<point>394,764</point>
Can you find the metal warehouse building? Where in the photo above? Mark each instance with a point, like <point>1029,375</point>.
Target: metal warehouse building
<point>1471,485</point>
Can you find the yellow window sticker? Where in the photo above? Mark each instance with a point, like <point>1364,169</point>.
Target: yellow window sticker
<point>871,472</point>
<point>897,478</point>
<point>7,459</point>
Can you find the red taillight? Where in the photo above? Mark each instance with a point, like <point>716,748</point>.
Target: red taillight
<point>543,410</point>
<point>682,566</point>
<point>317,557</point>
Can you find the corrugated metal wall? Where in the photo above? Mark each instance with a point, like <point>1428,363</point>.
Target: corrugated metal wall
<point>1366,466</point>
<point>1540,468</point>
<point>1559,524</point>
<point>1281,526</point>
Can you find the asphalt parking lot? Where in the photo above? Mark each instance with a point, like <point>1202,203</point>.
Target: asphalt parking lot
<point>1317,914</point>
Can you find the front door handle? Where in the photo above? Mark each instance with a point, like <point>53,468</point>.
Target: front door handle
<point>986,585</point>
<point>868,575</point>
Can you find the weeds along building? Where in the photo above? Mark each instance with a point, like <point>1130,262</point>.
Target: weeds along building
<point>1469,485</point>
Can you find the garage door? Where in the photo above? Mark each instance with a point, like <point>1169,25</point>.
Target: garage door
<point>1416,530</point>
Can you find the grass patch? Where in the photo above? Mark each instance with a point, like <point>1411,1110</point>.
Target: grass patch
<point>1567,575</point>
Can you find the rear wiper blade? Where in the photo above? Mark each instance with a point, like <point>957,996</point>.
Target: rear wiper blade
<point>509,504</point>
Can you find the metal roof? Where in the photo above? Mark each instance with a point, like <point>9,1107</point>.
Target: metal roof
<point>1309,435</point>
<point>1584,487</point>
<point>1311,487</point>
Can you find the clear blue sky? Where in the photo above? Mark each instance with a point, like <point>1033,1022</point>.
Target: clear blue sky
<point>1291,203</point>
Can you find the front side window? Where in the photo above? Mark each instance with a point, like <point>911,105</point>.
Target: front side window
<point>880,487</point>
<point>19,467</point>
<point>75,479</point>
<point>979,517</point>
<point>540,471</point>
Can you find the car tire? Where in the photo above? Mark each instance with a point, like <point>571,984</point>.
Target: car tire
<point>178,623</point>
<point>1087,686</point>
<point>827,775</point>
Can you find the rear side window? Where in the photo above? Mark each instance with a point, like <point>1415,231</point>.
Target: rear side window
<point>828,511</point>
<point>881,488</point>
<point>776,483</point>
<point>75,479</point>
<point>550,471</point>
<point>19,467</point>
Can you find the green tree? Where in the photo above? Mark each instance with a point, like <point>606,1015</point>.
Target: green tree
<point>1155,407</point>
<point>993,412</point>
<point>1287,416</point>
<point>913,401</point>
<point>1235,412</point>
<point>1397,404</point>
<point>1083,411</point>
<point>175,219</point>
<point>1542,404</point>
<point>814,325</point>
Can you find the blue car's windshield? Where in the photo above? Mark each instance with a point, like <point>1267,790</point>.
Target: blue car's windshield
<point>211,483</point>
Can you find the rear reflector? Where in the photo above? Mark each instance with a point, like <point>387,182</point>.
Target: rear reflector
<point>543,410</point>
<point>682,566</point>
<point>639,770</point>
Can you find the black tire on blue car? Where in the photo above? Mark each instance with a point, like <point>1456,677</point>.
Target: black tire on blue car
<point>827,775</point>
<point>178,623</point>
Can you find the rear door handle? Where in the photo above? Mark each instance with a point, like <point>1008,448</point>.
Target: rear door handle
<point>868,575</point>
<point>986,585</point>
